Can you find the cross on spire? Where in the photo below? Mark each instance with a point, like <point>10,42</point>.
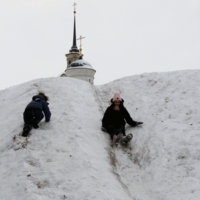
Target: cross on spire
<point>80,40</point>
<point>74,7</point>
<point>81,45</point>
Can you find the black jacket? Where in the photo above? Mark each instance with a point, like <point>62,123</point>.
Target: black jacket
<point>38,102</point>
<point>117,118</point>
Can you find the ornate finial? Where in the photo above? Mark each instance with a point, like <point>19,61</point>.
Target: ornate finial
<point>74,7</point>
<point>80,45</point>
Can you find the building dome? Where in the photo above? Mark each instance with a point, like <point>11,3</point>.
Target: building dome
<point>80,69</point>
<point>80,63</point>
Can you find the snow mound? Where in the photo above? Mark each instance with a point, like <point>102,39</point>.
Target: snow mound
<point>165,157</point>
<point>70,158</point>
<point>65,159</point>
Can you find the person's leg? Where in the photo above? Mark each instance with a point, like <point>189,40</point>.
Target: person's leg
<point>127,139</point>
<point>38,116</point>
<point>115,133</point>
<point>121,130</point>
<point>28,122</point>
<point>119,134</point>
<point>111,131</point>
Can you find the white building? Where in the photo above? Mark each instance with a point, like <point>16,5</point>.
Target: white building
<point>77,67</point>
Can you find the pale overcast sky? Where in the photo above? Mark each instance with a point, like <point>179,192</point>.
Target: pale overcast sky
<point>122,38</point>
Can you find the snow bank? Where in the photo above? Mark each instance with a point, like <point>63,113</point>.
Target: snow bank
<point>65,159</point>
<point>164,162</point>
<point>70,158</point>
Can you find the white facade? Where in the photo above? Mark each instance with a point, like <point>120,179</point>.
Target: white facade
<point>80,69</point>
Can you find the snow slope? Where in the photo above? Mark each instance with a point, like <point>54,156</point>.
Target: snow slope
<point>66,158</point>
<point>70,158</point>
<point>165,158</point>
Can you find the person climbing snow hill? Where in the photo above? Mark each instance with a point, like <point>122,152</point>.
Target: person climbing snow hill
<point>115,118</point>
<point>33,113</point>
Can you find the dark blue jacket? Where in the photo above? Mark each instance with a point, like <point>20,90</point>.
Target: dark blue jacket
<point>38,102</point>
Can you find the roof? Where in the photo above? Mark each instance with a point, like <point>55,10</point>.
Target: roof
<point>80,63</point>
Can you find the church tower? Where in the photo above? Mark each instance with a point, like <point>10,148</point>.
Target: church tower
<point>77,67</point>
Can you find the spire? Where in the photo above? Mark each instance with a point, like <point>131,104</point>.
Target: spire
<point>74,47</point>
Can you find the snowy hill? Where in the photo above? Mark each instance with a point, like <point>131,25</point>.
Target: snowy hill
<point>70,158</point>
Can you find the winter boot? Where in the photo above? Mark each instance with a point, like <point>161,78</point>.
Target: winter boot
<point>126,140</point>
<point>35,126</point>
<point>26,130</point>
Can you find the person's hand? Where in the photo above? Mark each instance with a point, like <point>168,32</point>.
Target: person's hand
<point>138,123</point>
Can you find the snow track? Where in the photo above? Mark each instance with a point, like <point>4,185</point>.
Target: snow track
<point>112,150</point>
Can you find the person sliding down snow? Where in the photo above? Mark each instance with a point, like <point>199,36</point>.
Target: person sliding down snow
<point>115,118</point>
<point>33,113</point>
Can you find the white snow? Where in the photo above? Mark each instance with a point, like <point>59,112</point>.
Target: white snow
<point>71,158</point>
<point>83,63</point>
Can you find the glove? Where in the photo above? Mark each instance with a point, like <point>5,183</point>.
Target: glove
<point>138,123</point>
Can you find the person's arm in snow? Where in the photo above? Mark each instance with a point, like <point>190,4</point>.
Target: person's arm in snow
<point>46,110</point>
<point>129,120</point>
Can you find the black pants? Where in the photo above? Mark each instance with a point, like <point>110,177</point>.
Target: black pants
<point>113,130</point>
<point>32,117</point>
